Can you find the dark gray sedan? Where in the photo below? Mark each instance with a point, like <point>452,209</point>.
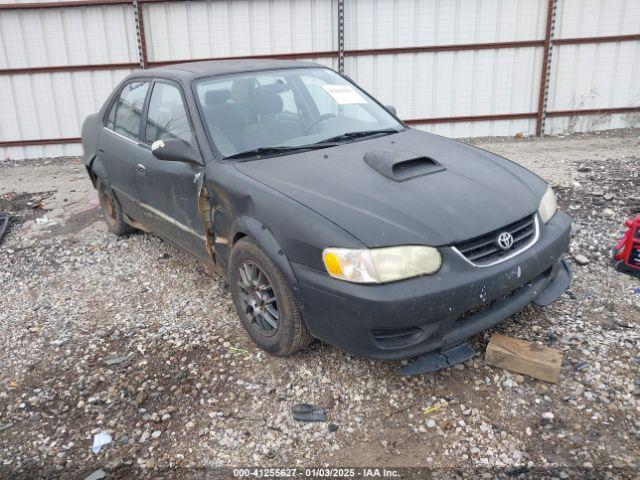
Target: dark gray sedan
<point>330,218</point>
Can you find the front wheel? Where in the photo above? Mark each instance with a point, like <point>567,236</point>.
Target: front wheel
<point>264,302</point>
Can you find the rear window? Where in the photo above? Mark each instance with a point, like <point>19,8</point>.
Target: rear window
<point>126,113</point>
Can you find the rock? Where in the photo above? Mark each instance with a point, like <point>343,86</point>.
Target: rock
<point>581,259</point>
<point>431,423</point>
<point>97,475</point>
<point>115,360</point>
<point>156,434</point>
<point>546,418</point>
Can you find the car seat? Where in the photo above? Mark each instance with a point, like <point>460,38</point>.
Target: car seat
<point>270,131</point>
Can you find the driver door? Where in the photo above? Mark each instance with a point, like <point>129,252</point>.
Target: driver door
<point>170,190</point>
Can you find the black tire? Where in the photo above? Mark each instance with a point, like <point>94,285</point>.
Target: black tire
<point>112,212</point>
<point>291,334</point>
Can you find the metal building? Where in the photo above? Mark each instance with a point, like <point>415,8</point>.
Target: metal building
<point>455,67</point>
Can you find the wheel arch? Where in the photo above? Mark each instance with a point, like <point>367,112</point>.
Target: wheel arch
<point>97,172</point>
<point>248,227</point>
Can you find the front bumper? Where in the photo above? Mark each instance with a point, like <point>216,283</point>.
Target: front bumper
<point>419,315</point>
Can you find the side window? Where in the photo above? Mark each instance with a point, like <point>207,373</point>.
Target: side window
<point>126,113</point>
<point>111,119</point>
<point>167,117</point>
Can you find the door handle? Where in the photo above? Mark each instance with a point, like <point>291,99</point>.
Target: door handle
<point>140,168</point>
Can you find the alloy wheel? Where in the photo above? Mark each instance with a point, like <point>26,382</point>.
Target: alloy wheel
<point>258,298</point>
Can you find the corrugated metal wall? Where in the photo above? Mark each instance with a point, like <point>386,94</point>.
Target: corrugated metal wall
<point>438,61</point>
<point>53,105</point>
<point>191,30</point>
<point>455,83</point>
<point>595,76</point>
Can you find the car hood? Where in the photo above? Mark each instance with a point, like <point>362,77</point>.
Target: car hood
<point>465,193</point>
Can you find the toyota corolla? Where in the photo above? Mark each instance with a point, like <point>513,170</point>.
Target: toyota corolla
<point>330,218</point>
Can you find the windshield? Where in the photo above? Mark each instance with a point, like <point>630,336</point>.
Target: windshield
<point>287,109</point>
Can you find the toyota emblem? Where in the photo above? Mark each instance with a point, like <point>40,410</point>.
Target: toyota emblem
<point>505,240</point>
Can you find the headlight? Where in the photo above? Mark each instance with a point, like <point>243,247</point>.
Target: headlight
<point>548,205</point>
<point>379,265</point>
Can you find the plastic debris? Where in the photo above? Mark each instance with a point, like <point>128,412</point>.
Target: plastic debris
<point>238,349</point>
<point>5,426</point>
<point>97,475</point>
<point>100,440</point>
<point>434,361</point>
<point>4,224</point>
<point>433,408</point>
<point>304,412</point>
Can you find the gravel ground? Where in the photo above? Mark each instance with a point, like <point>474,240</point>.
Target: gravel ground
<point>134,338</point>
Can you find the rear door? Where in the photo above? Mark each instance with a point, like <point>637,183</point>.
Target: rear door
<point>120,145</point>
<point>170,190</point>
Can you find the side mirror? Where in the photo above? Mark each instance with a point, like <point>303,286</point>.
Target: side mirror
<point>392,110</point>
<point>175,150</point>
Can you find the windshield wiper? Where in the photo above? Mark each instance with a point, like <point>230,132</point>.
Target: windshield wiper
<point>262,151</point>
<point>359,134</point>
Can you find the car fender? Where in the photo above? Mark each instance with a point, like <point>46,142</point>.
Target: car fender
<point>96,170</point>
<point>262,236</point>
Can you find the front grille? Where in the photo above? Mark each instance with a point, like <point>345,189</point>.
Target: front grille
<point>484,250</point>
<point>396,337</point>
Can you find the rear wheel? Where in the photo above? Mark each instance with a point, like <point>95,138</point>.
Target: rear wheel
<point>112,211</point>
<point>264,302</point>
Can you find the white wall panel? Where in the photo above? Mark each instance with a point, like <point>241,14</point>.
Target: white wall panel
<point>52,105</point>
<point>591,123</point>
<point>428,85</point>
<point>588,76</point>
<point>188,30</point>
<point>67,36</point>
<point>597,18</point>
<point>31,1</point>
<point>41,151</point>
<point>420,85</point>
<point>405,23</point>
<point>494,128</point>
<point>445,84</point>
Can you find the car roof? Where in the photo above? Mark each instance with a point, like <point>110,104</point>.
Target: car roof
<point>192,70</point>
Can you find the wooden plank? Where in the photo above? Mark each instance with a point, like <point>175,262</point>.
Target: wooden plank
<point>528,358</point>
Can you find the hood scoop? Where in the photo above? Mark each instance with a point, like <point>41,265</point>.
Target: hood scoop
<point>400,166</point>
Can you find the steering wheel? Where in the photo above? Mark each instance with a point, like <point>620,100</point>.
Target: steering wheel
<point>321,118</point>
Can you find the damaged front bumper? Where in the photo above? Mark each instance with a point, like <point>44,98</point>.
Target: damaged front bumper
<point>431,313</point>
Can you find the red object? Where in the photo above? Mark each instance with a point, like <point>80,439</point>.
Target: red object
<point>627,251</point>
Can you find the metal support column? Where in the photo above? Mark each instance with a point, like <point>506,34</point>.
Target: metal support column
<point>546,68</point>
<point>340,36</point>
<point>142,44</point>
